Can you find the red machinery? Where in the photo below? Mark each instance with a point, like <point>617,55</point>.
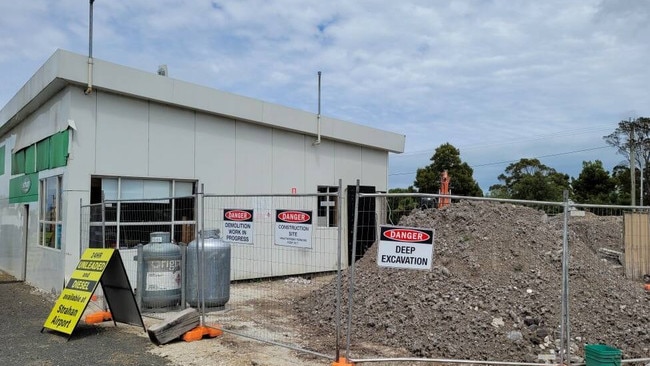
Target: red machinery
<point>444,190</point>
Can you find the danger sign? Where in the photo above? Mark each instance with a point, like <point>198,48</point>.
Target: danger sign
<point>404,247</point>
<point>238,226</point>
<point>293,228</point>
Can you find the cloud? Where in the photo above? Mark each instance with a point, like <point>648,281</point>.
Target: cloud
<point>499,79</point>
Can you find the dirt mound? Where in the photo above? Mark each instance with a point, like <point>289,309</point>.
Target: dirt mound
<point>494,292</point>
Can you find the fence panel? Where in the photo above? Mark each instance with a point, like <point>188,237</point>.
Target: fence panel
<point>492,290</point>
<point>607,305</point>
<point>282,248</point>
<point>125,224</point>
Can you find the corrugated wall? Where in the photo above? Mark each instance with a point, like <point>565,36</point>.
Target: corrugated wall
<point>637,244</point>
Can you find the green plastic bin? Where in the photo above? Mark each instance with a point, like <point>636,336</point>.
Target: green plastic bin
<point>602,355</point>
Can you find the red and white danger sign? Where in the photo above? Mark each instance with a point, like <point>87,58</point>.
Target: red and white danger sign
<point>238,226</point>
<point>405,247</point>
<point>293,228</point>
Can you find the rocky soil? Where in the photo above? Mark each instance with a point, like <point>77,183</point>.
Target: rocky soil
<point>494,292</point>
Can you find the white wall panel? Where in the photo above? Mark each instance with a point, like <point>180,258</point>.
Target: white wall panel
<point>254,154</point>
<point>83,141</point>
<point>171,142</point>
<point>122,142</point>
<point>12,248</point>
<point>288,162</point>
<point>348,163</point>
<point>374,168</point>
<point>319,165</point>
<point>215,158</point>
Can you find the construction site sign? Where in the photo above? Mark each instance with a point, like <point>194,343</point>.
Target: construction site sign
<point>293,228</point>
<point>97,266</point>
<point>405,247</point>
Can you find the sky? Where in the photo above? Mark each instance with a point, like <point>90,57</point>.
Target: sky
<point>500,80</point>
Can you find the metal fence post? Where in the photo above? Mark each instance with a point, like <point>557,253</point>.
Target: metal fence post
<point>565,347</point>
<point>338,269</point>
<point>183,274</point>
<point>140,277</point>
<point>351,268</point>
<point>201,258</point>
<point>81,224</point>
<point>103,221</point>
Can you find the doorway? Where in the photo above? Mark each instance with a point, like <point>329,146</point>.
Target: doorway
<point>25,242</point>
<point>367,223</point>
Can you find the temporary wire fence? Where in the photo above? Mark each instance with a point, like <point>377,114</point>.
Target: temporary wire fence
<point>247,260</point>
<point>430,282</point>
<point>610,253</point>
<point>129,224</point>
<point>281,247</point>
<point>496,273</point>
<point>499,278</point>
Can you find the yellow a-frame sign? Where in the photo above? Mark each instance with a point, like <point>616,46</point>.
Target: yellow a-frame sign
<point>97,266</point>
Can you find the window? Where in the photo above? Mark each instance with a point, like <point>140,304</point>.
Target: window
<point>2,160</point>
<point>50,212</point>
<point>327,207</point>
<point>134,207</point>
<point>18,162</point>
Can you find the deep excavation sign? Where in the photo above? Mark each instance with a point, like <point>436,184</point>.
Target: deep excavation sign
<point>404,247</point>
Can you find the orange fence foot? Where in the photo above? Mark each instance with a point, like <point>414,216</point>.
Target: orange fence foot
<point>342,361</point>
<point>98,317</point>
<point>199,332</point>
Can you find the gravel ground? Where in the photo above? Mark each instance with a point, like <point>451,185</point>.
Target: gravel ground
<point>494,292</point>
<point>23,311</point>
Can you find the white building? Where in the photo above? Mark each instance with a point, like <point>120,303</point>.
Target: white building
<point>143,135</point>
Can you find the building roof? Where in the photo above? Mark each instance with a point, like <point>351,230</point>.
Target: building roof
<point>65,68</point>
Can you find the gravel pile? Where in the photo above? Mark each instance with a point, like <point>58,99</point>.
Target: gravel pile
<point>494,292</point>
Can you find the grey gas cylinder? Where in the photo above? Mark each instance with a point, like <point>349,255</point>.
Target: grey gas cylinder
<point>216,279</point>
<point>162,272</point>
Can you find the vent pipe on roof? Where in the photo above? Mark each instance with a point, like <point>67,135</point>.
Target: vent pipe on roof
<point>162,70</point>
<point>317,142</point>
<point>89,90</point>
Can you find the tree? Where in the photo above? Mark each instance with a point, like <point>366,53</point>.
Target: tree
<point>400,206</point>
<point>447,157</point>
<point>621,178</point>
<point>529,179</point>
<point>594,185</point>
<point>632,140</point>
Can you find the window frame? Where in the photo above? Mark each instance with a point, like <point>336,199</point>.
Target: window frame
<point>46,219</point>
<point>119,202</point>
<point>327,212</point>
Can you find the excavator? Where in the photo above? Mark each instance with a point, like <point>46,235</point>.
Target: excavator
<point>444,190</point>
<point>441,202</point>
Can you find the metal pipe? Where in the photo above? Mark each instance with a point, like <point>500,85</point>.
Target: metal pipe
<point>443,360</point>
<point>329,357</point>
<point>338,269</point>
<point>202,257</point>
<point>140,278</point>
<point>467,198</point>
<point>89,90</point>
<point>317,142</point>
<point>103,221</point>
<point>183,274</point>
<point>565,349</point>
<point>632,360</point>
<point>351,268</point>
<point>81,219</point>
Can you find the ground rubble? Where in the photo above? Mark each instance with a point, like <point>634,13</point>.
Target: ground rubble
<point>494,292</point>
